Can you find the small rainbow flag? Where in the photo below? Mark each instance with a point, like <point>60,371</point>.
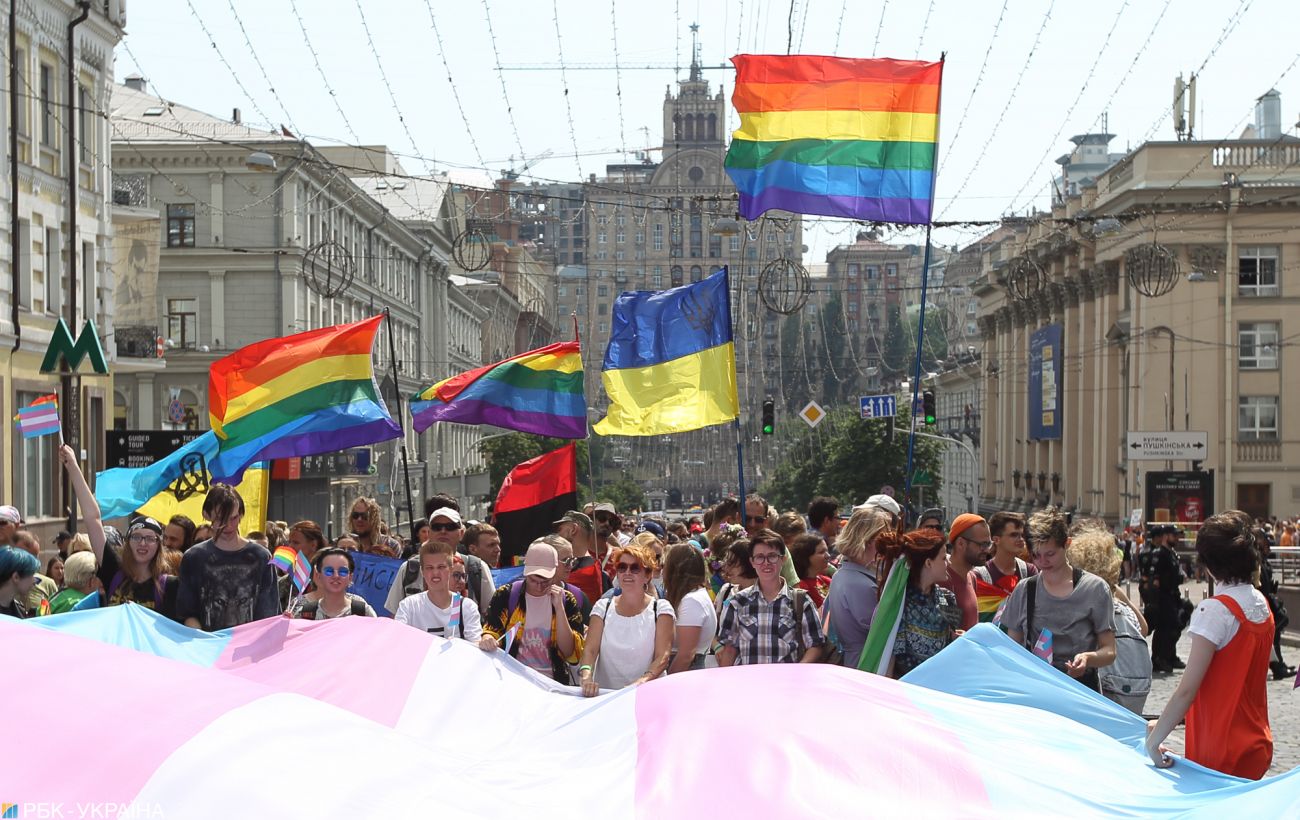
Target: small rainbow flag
<point>989,597</point>
<point>535,392</point>
<point>292,562</point>
<point>40,418</point>
<point>299,395</point>
<point>835,136</point>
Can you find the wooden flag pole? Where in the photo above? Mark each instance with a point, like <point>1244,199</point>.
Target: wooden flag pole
<point>401,423</point>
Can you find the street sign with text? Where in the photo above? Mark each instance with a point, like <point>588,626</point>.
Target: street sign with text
<point>878,407</point>
<point>1169,445</point>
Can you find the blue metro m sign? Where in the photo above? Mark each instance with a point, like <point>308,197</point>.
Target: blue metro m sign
<point>63,347</point>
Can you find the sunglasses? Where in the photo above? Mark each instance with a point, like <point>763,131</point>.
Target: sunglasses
<point>569,562</point>
<point>631,569</point>
<point>358,515</point>
<point>444,527</point>
<point>756,519</point>
<point>330,572</point>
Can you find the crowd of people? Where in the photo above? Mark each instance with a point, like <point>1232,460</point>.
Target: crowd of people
<point>604,600</point>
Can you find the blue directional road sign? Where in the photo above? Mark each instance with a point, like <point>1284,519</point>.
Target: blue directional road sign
<point>877,407</point>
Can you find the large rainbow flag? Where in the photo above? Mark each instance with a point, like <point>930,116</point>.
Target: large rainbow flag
<point>308,393</point>
<point>835,136</point>
<point>936,744</point>
<point>535,392</point>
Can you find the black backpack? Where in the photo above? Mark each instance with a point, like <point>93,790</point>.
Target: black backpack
<point>311,608</point>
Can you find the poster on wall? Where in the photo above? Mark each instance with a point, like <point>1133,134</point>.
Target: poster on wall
<point>1184,497</point>
<point>1045,383</point>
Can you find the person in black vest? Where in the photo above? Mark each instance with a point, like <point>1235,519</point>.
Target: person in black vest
<point>1268,585</point>
<point>1159,584</point>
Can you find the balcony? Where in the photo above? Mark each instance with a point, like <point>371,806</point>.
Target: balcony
<point>1259,451</point>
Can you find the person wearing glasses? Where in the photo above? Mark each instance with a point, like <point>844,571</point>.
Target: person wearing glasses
<point>1064,615</point>
<point>564,571</point>
<point>997,579</point>
<point>970,541</point>
<point>755,514</point>
<point>437,610</point>
<point>332,573</point>
<point>769,622</point>
<point>631,634</point>
<point>368,529</point>
<point>228,580</point>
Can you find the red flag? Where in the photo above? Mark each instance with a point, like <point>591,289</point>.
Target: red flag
<point>536,494</point>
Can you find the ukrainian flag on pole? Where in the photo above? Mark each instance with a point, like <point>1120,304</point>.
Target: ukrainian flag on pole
<point>671,362</point>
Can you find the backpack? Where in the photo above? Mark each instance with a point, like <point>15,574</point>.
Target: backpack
<point>311,608</point>
<point>1089,678</point>
<point>1130,674</point>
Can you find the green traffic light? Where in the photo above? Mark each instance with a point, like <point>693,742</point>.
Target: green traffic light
<point>767,429</point>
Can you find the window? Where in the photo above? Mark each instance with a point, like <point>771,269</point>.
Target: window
<point>853,307</point>
<point>659,237</point>
<point>853,270</point>
<point>183,322</point>
<point>54,277</point>
<point>602,290</point>
<point>696,273</point>
<point>603,327</point>
<point>180,225</point>
<point>1257,346</point>
<point>697,236</point>
<point>35,470</point>
<point>733,243</point>
<point>891,270</point>
<point>563,290</point>
<point>715,245</point>
<point>579,290</point>
<point>602,308</point>
<point>1257,418</point>
<point>20,57</point>
<point>1257,267</point>
<point>640,237</point>
<point>601,238</point>
<point>620,236</point>
<point>872,273</point>
<point>47,104</point>
<point>85,125</point>
<point>657,280</point>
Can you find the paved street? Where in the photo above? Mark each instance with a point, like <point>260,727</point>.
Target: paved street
<point>1283,702</point>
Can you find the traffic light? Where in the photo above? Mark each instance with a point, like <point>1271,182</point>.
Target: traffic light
<point>927,407</point>
<point>769,417</point>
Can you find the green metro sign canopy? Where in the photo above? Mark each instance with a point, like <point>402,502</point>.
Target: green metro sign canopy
<point>62,346</point>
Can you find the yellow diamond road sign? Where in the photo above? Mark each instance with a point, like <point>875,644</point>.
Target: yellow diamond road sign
<point>812,413</point>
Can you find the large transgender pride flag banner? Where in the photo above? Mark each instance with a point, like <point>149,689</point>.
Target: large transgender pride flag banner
<point>364,717</point>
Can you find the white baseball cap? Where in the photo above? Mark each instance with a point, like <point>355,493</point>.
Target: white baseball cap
<point>881,502</point>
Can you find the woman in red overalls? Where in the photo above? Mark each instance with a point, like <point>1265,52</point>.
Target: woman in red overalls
<point>1223,691</point>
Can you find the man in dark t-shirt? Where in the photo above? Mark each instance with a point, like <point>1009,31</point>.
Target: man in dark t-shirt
<point>227,580</point>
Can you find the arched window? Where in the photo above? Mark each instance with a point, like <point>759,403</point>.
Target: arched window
<point>713,127</point>
<point>690,128</point>
<point>677,127</point>
<point>675,276</point>
<point>696,273</point>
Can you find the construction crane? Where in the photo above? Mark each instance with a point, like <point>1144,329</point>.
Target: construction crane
<point>513,173</point>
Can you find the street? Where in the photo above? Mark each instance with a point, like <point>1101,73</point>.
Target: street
<point>1282,700</point>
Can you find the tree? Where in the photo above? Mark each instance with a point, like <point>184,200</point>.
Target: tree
<point>625,494</point>
<point>900,341</point>
<point>834,337</point>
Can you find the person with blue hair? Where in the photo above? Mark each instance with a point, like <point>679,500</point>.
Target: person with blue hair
<point>17,577</point>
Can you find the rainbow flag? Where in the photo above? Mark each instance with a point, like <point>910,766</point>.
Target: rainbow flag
<point>835,136</point>
<point>989,597</point>
<point>535,392</point>
<point>292,562</point>
<point>303,394</point>
<point>40,418</point>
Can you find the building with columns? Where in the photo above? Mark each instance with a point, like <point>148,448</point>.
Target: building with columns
<point>1156,298</point>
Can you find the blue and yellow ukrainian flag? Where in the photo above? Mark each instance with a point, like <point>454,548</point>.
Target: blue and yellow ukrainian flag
<point>671,363</point>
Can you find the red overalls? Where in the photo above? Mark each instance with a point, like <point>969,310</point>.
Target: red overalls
<point>1227,724</point>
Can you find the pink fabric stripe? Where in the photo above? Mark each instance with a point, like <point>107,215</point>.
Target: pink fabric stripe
<point>305,657</point>
<point>131,733</point>
<point>790,740</point>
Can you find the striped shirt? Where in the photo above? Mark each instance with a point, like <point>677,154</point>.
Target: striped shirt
<point>765,631</point>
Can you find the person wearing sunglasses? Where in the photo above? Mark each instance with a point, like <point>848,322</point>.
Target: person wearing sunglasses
<point>564,571</point>
<point>631,634</point>
<point>769,622</point>
<point>368,529</point>
<point>971,544</point>
<point>332,573</point>
<point>756,518</point>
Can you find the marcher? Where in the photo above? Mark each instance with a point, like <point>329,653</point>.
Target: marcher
<point>1223,691</point>
<point>437,610</point>
<point>970,541</point>
<point>79,576</point>
<point>631,634</point>
<point>54,571</point>
<point>769,622</point>
<point>40,595</point>
<point>930,618</point>
<point>854,591</point>
<point>686,588</point>
<point>586,573</point>
<point>732,549</point>
<point>563,571</point>
<point>1063,614</point>
<point>931,519</point>
<point>228,580</point>
<point>1159,585</point>
<point>332,572</point>
<point>810,557</point>
<point>368,529</point>
<point>539,620</point>
<point>824,518</point>
<point>1128,680</point>
<point>17,577</point>
<point>447,528</point>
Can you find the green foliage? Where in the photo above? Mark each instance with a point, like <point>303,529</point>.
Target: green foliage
<point>503,454</point>
<point>852,461</point>
<point>900,341</point>
<point>625,494</point>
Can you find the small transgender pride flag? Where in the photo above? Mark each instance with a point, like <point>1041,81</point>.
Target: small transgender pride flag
<point>41,418</point>
<point>293,563</point>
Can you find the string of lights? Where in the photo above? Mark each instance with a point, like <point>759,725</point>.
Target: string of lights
<point>925,27</point>
<point>320,70</point>
<point>875,45</point>
<point>505,92</point>
<point>252,52</point>
<point>839,27</point>
<point>564,84</point>
<point>455,90</point>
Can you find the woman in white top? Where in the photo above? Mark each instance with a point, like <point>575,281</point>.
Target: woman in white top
<point>631,634</point>
<point>697,623</point>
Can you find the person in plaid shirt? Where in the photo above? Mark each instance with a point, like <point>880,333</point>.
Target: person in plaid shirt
<point>769,622</point>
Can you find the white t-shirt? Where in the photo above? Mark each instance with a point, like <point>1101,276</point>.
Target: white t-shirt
<point>420,612</point>
<point>1216,624</point>
<point>696,609</point>
<point>627,644</point>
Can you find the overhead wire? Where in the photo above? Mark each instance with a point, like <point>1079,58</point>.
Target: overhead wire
<point>925,26</point>
<point>618,74</point>
<point>455,90</point>
<point>505,92</point>
<point>875,45</point>
<point>320,71</point>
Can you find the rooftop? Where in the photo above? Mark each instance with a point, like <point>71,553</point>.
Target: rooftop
<point>139,116</point>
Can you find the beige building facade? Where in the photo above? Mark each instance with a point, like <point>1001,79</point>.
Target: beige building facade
<point>1159,297</point>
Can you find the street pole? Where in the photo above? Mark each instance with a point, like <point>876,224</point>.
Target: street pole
<point>70,384</point>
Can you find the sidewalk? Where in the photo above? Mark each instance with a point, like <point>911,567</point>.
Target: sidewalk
<point>1283,703</point>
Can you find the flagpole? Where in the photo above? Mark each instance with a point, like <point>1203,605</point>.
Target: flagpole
<point>740,438</point>
<point>401,423</point>
<point>920,323</point>
<point>591,474</point>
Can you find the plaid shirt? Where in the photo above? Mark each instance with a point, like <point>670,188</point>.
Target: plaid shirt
<point>769,632</point>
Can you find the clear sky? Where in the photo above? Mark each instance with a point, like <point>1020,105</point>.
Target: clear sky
<point>1021,77</point>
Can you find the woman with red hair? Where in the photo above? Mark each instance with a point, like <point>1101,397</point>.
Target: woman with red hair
<point>930,616</point>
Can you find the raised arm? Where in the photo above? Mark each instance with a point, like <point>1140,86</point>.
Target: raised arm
<point>90,517</point>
